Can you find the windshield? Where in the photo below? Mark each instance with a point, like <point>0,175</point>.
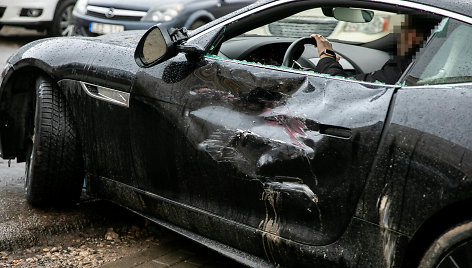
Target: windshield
<point>314,21</point>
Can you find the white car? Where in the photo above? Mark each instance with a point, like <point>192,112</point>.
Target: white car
<point>55,16</point>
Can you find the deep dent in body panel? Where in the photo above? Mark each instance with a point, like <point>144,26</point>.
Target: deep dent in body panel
<point>273,135</point>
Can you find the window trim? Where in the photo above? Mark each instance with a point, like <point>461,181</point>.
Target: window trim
<point>444,86</point>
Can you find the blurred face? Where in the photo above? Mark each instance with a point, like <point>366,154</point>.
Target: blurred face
<point>409,37</point>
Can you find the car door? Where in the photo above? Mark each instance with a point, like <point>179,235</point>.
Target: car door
<point>270,152</point>
<point>284,152</point>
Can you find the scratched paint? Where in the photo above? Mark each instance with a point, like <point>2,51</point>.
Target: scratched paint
<point>270,225</point>
<point>388,239</point>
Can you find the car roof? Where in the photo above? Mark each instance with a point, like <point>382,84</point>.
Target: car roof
<point>463,7</point>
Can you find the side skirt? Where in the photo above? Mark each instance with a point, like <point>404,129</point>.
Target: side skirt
<point>136,201</point>
<point>230,252</point>
<point>364,244</point>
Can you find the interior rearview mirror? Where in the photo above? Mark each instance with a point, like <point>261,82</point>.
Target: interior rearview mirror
<point>155,46</point>
<point>353,15</point>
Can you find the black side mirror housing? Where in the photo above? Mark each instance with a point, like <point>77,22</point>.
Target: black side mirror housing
<point>158,45</point>
<point>192,53</point>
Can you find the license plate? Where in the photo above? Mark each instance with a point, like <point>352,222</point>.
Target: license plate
<point>103,28</point>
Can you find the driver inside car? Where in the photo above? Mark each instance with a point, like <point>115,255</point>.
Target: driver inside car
<point>413,32</point>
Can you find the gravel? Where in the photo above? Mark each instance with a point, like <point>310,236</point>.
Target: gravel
<point>88,248</point>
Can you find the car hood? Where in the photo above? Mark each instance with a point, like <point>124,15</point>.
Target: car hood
<point>143,5</point>
<point>127,39</point>
<point>107,60</point>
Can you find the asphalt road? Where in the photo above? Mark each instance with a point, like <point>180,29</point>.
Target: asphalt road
<point>12,38</point>
<point>27,234</point>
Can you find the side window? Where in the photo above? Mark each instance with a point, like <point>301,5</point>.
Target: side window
<point>447,58</point>
<point>269,43</point>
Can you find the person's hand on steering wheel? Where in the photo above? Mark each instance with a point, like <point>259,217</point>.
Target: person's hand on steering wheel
<point>325,49</point>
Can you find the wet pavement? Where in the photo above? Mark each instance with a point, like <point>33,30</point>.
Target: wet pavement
<point>22,226</point>
<point>92,233</point>
<point>12,38</point>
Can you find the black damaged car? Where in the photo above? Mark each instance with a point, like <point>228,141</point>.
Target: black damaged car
<point>228,136</point>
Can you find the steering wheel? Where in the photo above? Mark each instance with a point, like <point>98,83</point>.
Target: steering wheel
<point>295,50</point>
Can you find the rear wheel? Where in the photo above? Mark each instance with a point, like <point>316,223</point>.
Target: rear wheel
<point>63,24</point>
<point>54,170</point>
<point>452,249</point>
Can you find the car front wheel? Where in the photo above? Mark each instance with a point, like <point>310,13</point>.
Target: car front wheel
<point>54,170</point>
<point>452,249</point>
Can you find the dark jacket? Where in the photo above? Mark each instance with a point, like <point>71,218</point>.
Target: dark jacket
<point>389,74</point>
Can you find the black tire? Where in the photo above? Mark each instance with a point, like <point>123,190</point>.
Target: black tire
<point>54,170</point>
<point>452,249</point>
<point>63,24</point>
<point>197,24</point>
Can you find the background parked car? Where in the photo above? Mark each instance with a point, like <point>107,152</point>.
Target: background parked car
<point>55,16</point>
<point>94,17</point>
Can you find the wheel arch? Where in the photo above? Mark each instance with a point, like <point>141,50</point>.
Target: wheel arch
<point>433,227</point>
<point>17,110</point>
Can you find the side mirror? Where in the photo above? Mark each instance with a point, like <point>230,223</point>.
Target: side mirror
<point>353,15</point>
<point>155,46</point>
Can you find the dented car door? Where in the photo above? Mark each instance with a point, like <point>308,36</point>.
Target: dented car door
<point>286,153</point>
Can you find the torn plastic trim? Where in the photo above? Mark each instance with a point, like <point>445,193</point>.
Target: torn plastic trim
<point>292,187</point>
<point>335,131</point>
<point>294,71</point>
<point>106,94</point>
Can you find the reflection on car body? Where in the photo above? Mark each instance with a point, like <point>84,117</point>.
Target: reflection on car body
<point>267,164</point>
